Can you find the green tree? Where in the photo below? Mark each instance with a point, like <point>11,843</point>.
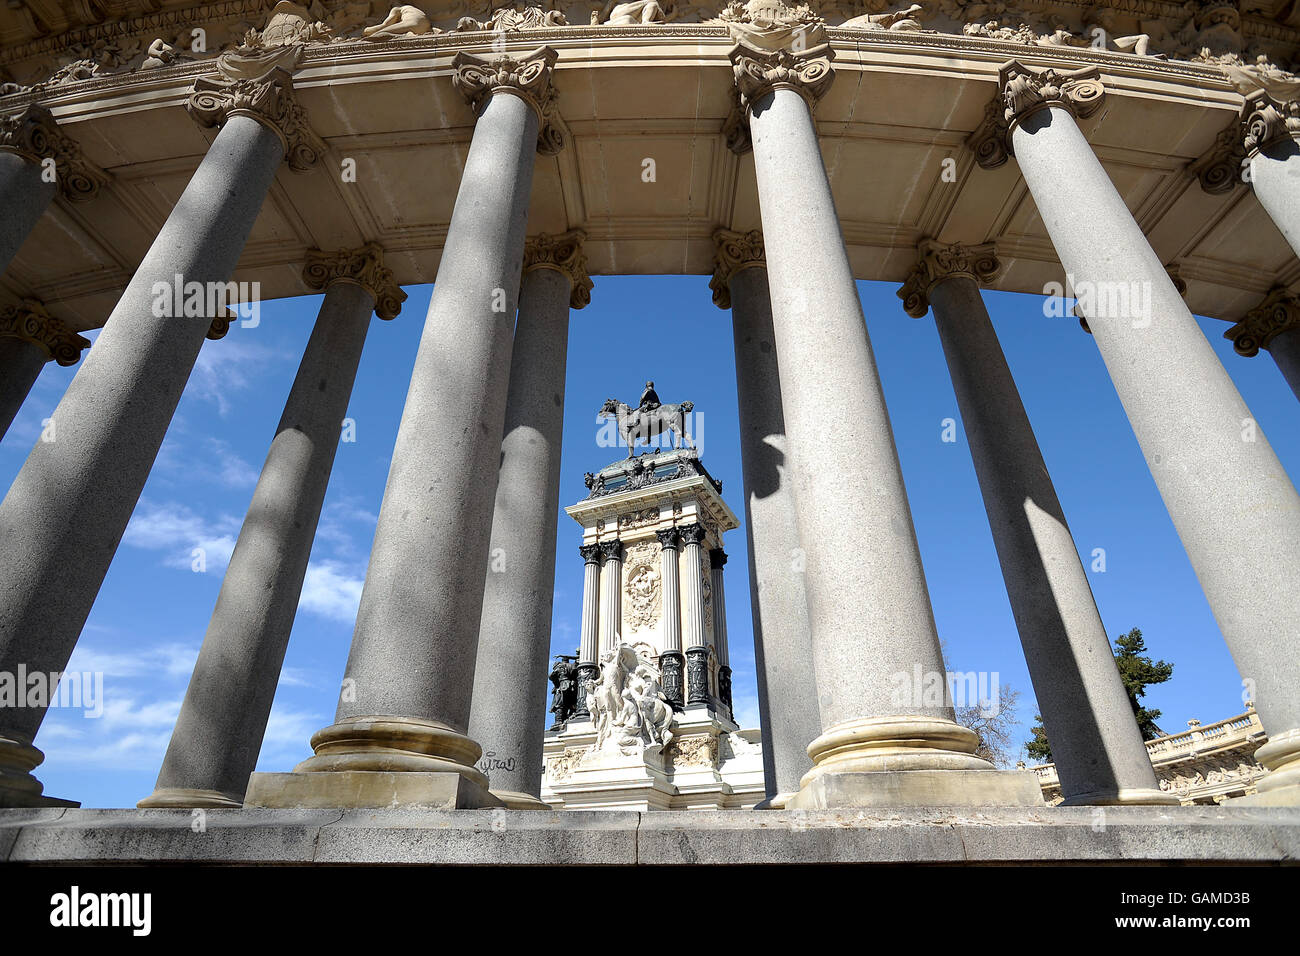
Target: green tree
<point>1037,747</point>
<point>1137,671</point>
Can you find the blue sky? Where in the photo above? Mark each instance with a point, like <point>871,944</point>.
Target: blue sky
<point>149,620</point>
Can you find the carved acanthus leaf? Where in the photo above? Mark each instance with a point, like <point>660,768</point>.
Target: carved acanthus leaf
<point>529,77</point>
<point>269,99</point>
<point>30,322</point>
<point>733,251</point>
<point>938,261</point>
<point>1024,91</point>
<point>564,254</point>
<point>364,267</point>
<point>1278,313</point>
<point>759,72</point>
<point>34,135</point>
<point>1266,120</point>
<point>1219,170</point>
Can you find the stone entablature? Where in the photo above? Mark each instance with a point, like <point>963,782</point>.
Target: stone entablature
<point>135,37</point>
<point>1203,765</point>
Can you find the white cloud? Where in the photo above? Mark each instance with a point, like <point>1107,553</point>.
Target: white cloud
<point>228,366</point>
<point>174,660</point>
<point>331,590</point>
<point>178,530</point>
<point>232,470</point>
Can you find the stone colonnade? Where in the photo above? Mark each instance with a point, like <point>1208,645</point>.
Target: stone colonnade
<point>449,646</point>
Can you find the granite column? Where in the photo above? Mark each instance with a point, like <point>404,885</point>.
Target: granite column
<point>400,731</point>
<point>1096,745</point>
<point>1231,502</point>
<point>514,638</point>
<point>67,509</point>
<point>782,644</point>
<point>219,731</point>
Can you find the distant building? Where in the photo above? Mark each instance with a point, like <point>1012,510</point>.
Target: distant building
<point>1203,765</point>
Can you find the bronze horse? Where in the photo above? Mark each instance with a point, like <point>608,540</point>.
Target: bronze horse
<point>635,425</point>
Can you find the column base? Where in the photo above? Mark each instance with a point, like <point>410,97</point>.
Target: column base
<point>18,788</point>
<point>394,744</point>
<point>514,800</point>
<point>907,760</point>
<point>179,798</point>
<point>1124,797</point>
<point>367,790</point>
<point>1280,787</point>
<point>919,788</point>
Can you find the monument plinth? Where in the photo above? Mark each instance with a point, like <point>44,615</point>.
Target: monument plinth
<point>651,725</point>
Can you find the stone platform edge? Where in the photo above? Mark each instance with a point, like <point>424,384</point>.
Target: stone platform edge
<point>1054,835</point>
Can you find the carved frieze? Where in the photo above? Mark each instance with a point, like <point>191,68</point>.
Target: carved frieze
<point>268,98</point>
<point>30,322</point>
<point>564,254</point>
<point>697,751</point>
<point>34,135</point>
<point>938,261</point>
<point>638,519</point>
<point>643,588</point>
<point>1278,313</point>
<point>364,267</point>
<point>518,16</point>
<point>733,251</point>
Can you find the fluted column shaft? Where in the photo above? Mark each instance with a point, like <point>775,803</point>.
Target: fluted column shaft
<point>219,732</point>
<point>1095,741</point>
<point>611,595</point>
<point>411,665</point>
<point>787,686</point>
<point>65,513</point>
<point>589,639</point>
<point>1235,510</point>
<point>507,711</point>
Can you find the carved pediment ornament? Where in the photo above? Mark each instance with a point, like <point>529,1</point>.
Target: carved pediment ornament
<point>733,251</point>
<point>1266,120</point>
<point>938,261</point>
<point>364,267</point>
<point>31,323</point>
<point>34,135</point>
<point>564,254</point>
<point>528,76</point>
<point>759,72</point>
<point>1278,313</point>
<point>269,99</point>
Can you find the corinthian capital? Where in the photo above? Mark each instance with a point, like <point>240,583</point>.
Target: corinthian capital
<point>939,261</point>
<point>564,254</point>
<point>1024,91</point>
<point>759,72</point>
<point>363,267</point>
<point>269,99</point>
<point>733,251</point>
<point>529,77</point>
<point>1266,120</point>
<point>1278,313</point>
<point>34,135</point>
<point>31,323</point>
